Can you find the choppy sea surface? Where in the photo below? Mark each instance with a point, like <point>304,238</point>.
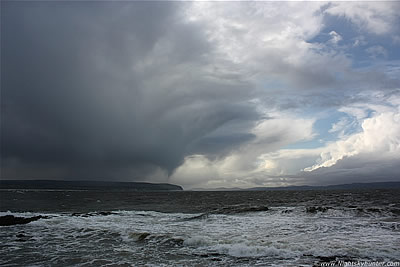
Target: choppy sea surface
<point>272,228</point>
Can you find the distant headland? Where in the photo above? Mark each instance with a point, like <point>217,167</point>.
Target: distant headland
<point>375,185</point>
<point>87,185</point>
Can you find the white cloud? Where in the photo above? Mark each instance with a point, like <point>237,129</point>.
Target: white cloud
<point>269,40</point>
<point>289,161</point>
<point>335,37</point>
<point>379,138</point>
<point>357,111</point>
<point>341,126</point>
<point>359,41</point>
<point>246,164</point>
<point>377,51</point>
<point>375,17</point>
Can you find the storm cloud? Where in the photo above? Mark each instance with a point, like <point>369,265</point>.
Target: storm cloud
<point>91,88</point>
<point>201,94</point>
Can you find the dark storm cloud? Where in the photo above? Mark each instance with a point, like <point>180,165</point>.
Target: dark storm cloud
<point>103,90</point>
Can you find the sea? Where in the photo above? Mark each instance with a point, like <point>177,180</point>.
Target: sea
<point>188,228</point>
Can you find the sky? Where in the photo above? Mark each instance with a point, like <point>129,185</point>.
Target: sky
<point>201,94</point>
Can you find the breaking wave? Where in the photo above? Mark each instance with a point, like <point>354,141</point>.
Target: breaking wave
<point>232,235</point>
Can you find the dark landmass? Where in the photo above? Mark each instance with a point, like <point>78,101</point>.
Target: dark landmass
<point>87,185</point>
<point>219,189</point>
<point>377,185</point>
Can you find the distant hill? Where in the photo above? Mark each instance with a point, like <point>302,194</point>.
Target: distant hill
<point>87,185</point>
<point>218,189</point>
<point>377,185</point>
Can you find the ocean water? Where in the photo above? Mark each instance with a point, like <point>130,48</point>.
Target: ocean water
<point>276,228</point>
